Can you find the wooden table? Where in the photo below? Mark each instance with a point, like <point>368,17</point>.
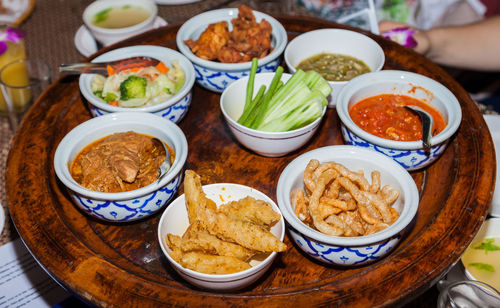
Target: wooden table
<point>112,264</point>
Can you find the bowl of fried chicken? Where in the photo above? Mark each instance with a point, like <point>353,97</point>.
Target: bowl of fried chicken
<point>221,236</point>
<point>222,43</point>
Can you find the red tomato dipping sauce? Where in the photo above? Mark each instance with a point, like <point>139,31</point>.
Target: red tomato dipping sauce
<point>384,116</point>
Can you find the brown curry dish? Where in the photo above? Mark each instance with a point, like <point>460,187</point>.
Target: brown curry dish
<point>120,162</point>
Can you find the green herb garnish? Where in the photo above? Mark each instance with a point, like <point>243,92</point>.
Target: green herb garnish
<point>101,16</point>
<point>488,245</point>
<point>483,266</point>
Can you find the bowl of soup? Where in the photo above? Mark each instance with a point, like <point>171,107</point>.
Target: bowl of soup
<point>372,113</point>
<point>481,259</point>
<point>111,21</point>
<point>337,54</point>
<point>110,165</point>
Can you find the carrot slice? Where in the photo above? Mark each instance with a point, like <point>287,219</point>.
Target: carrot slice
<point>113,103</point>
<point>162,67</point>
<point>110,70</point>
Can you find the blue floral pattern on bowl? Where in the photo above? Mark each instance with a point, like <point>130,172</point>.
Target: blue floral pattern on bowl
<point>217,81</point>
<point>174,113</point>
<point>344,256</point>
<point>408,159</point>
<point>131,209</point>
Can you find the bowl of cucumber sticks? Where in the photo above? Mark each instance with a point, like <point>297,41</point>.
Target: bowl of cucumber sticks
<point>273,114</point>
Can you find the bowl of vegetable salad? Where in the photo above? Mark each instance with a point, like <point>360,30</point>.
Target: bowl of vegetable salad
<point>276,113</point>
<point>164,89</point>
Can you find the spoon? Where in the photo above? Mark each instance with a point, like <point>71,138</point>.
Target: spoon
<point>165,166</point>
<point>426,125</point>
<point>102,67</point>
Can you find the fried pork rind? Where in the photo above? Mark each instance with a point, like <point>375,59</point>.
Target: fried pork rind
<point>224,240</point>
<point>340,202</point>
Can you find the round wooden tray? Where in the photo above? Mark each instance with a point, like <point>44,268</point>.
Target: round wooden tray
<point>112,264</point>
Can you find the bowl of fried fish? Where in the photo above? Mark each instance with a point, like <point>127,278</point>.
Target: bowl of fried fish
<point>221,236</point>
<point>221,44</point>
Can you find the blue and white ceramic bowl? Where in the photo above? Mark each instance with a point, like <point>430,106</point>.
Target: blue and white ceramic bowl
<point>174,108</point>
<point>348,251</point>
<point>130,205</point>
<point>409,154</point>
<point>216,76</point>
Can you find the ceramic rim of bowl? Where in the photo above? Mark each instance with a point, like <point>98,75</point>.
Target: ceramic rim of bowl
<point>411,199</point>
<point>156,52</point>
<point>402,77</point>
<point>279,33</point>
<point>96,6</point>
<point>62,161</point>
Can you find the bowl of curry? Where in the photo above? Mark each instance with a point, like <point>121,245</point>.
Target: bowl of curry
<point>372,113</point>
<point>110,165</point>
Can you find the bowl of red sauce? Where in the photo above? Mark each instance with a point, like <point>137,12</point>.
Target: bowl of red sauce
<point>371,109</point>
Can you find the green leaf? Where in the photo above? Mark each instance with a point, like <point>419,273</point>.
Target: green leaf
<point>483,267</point>
<point>487,245</point>
<point>101,16</point>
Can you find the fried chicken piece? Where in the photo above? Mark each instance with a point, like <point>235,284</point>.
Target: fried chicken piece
<point>210,41</point>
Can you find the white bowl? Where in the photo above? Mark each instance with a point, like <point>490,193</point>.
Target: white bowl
<point>489,229</point>
<point>337,41</point>
<point>174,108</point>
<point>270,144</point>
<point>409,154</point>
<point>348,251</point>
<point>107,36</point>
<point>216,76</point>
<point>130,205</point>
<point>175,220</point>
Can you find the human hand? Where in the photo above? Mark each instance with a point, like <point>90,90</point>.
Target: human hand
<point>418,39</point>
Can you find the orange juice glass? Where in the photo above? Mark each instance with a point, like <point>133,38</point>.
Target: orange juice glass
<point>12,49</point>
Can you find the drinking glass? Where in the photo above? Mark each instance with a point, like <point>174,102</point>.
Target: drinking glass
<point>11,49</point>
<point>467,294</point>
<point>22,81</point>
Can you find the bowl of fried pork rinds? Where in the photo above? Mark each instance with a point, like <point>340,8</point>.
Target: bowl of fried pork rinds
<point>221,236</point>
<point>346,205</point>
<point>222,43</point>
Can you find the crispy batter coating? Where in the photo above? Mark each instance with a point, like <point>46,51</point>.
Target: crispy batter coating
<point>212,264</point>
<point>257,211</point>
<point>245,233</point>
<point>221,241</point>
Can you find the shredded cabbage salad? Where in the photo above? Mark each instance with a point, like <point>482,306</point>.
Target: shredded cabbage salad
<point>139,87</point>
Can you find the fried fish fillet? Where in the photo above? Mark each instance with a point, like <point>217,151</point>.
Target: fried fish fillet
<point>257,211</point>
<point>211,264</point>
<point>196,199</point>
<point>207,243</point>
<point>245,233</point>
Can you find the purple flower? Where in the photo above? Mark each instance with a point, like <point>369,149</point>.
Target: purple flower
<point>402,36</point>
<point>10,35</point>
